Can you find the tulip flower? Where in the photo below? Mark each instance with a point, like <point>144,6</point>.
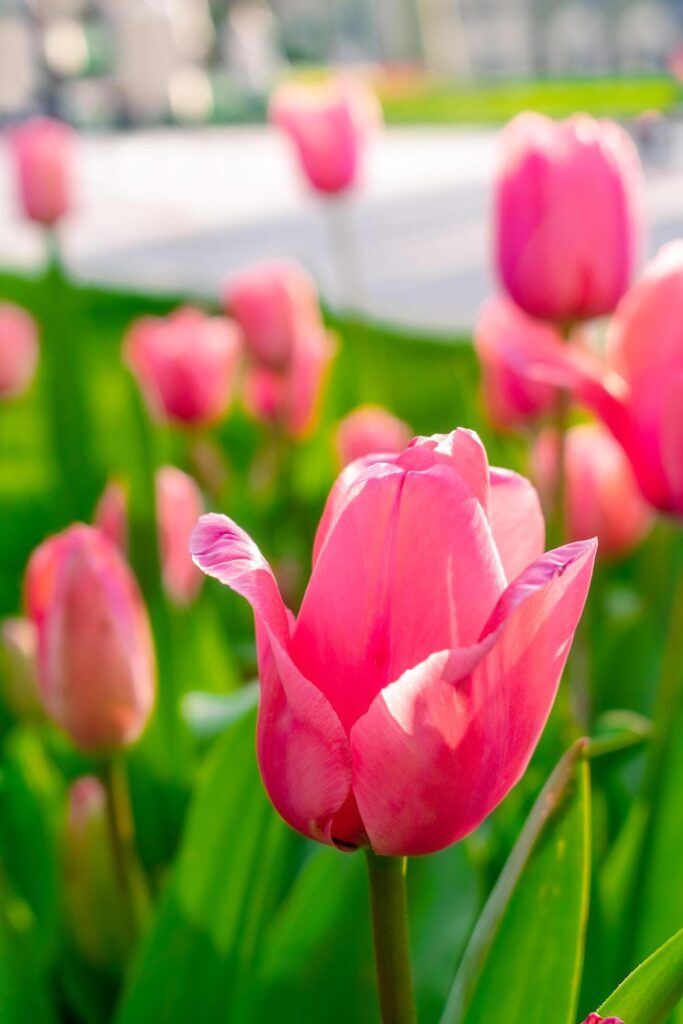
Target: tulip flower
<point>272,303</point>
<point>179,503</point>
<point>290,399</point>
<point>95,655</point>
<point>505,337</point>
<point>185,364</point>
<point>405,699</point>
<point>329,125</point>
<point>368,430</point>
<point>567,215</point>
<point>18,350</point>
<point>43,151</point>
<point>594,1018</point>
<point>601,494</point>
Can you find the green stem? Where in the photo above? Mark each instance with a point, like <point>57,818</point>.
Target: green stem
<point>390,931</point>
<point>129,876</point>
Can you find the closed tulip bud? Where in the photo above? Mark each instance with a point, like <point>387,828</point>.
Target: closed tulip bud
<point>601,494</point>
<point>290,399</point>
<point>406,698</point>
<point>95,654</point>
<point>43,151</point>
<point>369,430</point>
<point>179,503</point>
<point>329,125</point>
<point>505,339</point>
<point>272,303</point>
<point>18,645</point>
<point>90,878</point>
<point>18,350</point>
<point>567,215</point>
<point>595,1018</point>
<point>185,364</point>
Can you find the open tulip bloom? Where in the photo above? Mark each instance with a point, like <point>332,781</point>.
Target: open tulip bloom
<point>406,698</point>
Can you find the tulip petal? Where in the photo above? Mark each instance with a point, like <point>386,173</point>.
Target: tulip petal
<point>343,490</point>
<point>395,582</point>
<point>303,751</point>
<point>517,521</point>
<point>441,747</point>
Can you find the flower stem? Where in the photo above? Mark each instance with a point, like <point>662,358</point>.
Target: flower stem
<point>390,931</point>
<point>129,876</point>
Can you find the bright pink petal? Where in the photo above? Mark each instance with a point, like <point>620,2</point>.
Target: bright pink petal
<point>303,751</point>
<point>343,490</point>
<point>517,521</point>
<point>442,746</point>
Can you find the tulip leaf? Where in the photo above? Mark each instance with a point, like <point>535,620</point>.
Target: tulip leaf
<point>524,959</point>
<point>653,990</point>
<point>235,861</point>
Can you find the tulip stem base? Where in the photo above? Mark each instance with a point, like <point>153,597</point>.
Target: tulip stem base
<point>390,932</point>
<point>129,877</point>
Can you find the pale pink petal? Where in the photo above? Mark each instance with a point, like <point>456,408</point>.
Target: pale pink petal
<point>517,521</point>
<point>442,746</point>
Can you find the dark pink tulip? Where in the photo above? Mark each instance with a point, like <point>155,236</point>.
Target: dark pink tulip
<point>602,497</point>
<point>185,364</point>
<point>18,350</point>
<point>179,504</point>
<point>43,152</point>
<point>406,698</point>
<point>329,124</point>
<point>567,215</point>
<point>290,398</point>
<point>95,655</point>
<point>595,1018</point>
<point>273,303</point>
<point>368,430</point>
<point>505,337</point>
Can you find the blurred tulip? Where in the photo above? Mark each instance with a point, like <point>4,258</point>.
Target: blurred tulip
<point>18,350</point>
<point>290,399</point>
<point>272,303</point>
<point>602,497</point>
<point>43,151</point>
<point>185,364</point>
<point>568,215</point>
<point>505,339</point>
<point>18,645</point>
<point>368,430</point>
<point>95,654</point>
<point>329,124</point>
<point>89,878</point>
<point>179,504</point>
<point>406,698</point>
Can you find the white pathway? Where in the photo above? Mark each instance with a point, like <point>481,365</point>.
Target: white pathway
<point>177,211</point>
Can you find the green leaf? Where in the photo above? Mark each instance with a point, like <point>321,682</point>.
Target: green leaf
<point>235,862</point>
<point>208,714</point>
<point>653,990</point>
<point>524,959</point>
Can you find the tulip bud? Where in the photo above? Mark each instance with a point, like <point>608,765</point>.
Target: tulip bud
<point>185,364</point>
<point>95,654</point>
<point>505,339</point>
<point>329,125</point>
<point>594,1018</point>
<point>18,350</point>
<point>43,151</point>
<point>111,515</point>
<point>18,645</point>
<point>272,302</point>
<point>90,878</point>
<point>568,215</point>
<point>369,430</point>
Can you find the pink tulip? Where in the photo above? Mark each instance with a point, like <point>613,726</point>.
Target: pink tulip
<point>185,364</point>
<point>43,151</point>
<point>595,1018</point>
<point>272,303</point>
<point>179,504</point>
<point>290,399</point>
<point>405,699</point>
<point>95,655</point>
<point>329,124</point>
<point>504,339</point>
<point>368,430</point>
<point>567,215</point>
<point>18,350</point>
<point>602,497</point>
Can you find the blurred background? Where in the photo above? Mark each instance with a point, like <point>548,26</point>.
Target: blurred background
<point>154,213</point>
